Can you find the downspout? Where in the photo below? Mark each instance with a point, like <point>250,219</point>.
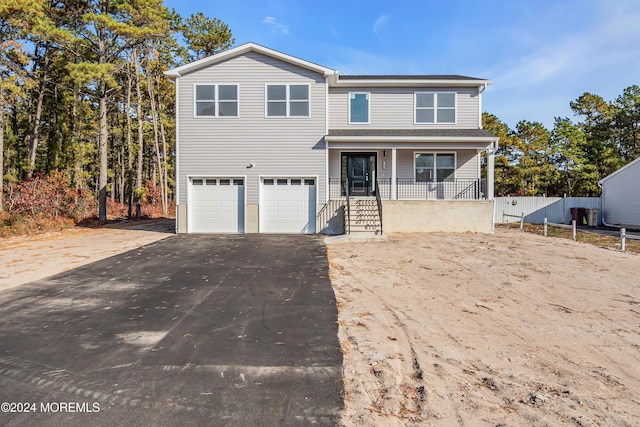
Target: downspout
<point>481,89</point>
<point>602,205</point>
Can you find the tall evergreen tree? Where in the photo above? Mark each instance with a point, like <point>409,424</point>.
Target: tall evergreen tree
<point>567,145</point>
<point>111,28</point>
<point>205,36</point>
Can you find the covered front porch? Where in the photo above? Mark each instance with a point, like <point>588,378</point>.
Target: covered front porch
<point>417,180</point>
<point>405,165</point>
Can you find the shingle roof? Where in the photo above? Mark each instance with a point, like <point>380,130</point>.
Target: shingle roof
<point>408,77</point>
<point>452,133</point>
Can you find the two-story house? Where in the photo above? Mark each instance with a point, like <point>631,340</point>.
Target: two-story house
<point>270,143</point>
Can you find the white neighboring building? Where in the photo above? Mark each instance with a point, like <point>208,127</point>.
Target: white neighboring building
<point>621,196</point>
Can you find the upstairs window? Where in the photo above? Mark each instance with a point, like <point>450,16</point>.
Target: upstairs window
<point>358,107</point>
<point>216,100</point>
<point>438,107</point>
<point>287,100</point>
<point>435,167</point>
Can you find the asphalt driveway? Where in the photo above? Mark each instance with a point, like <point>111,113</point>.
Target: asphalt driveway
<point>189,330</point>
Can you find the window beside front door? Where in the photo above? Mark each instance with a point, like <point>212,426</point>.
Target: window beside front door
<point>435,167</point>
<point>287,101</point>
<point>437,107</point>
<point>358,107</point>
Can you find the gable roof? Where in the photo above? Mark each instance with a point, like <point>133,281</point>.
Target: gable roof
<point>174,73</point>
<point>627,166</point>
<point>431,80</point>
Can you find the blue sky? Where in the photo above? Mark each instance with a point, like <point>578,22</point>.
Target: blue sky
<point>540,54</point>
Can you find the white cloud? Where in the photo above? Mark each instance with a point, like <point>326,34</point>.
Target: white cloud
<point>333,32</point>
<point>609,44</point>
<point>275,27</point>
<point>380,27</point>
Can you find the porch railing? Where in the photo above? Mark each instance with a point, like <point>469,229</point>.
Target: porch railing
<point>409,188</point>
<point>458,189</point>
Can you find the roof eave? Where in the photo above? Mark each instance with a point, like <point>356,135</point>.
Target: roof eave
<point>622,169</point>
<point>390,138</point>
<point>410,83</point>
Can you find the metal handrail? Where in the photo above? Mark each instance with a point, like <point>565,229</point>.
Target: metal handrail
<point>471,186</point>
<point>348,216</point>
<point>327,212</point>
<point>379,202</point>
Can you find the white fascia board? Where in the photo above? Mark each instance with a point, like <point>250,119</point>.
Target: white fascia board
<point>245,48</point>
<point>487,140</point>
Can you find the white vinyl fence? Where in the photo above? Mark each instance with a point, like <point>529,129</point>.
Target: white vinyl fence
<point>536,209</point>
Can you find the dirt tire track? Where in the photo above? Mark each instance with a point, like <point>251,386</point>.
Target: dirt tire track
<point>511,329</point>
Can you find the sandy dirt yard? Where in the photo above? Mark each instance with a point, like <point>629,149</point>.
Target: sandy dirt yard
<point>512,329</point>
<point>509,329</point>
<point>25,259</point>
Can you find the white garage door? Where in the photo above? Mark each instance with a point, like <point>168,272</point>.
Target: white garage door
<point>288,205</point>
<point>216,205</point>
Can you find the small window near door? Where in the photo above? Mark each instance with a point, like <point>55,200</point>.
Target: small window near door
<point>197,182</point>
<point>435,167</point>
<point>358,107</point>
<point>309,182</point>
<point>282,182</point>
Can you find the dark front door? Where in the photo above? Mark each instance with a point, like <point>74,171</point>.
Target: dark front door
<point>359,173</point>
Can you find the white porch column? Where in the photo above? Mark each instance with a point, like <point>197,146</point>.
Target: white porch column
<point>491,155</point>
<point>394,175</point>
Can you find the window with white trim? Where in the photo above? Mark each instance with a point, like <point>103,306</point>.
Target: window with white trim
<point>216,100</point>
<point>435,107</point>
<point>287,100</point>
<point>358,107</point>
<point>435,167</point>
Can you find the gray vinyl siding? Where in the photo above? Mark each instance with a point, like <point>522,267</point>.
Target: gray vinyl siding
<point>467,162</point>
<point>621,196</point>
<point>225,146</point>
<point>393,108</point>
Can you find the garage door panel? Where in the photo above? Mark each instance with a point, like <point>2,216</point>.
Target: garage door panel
<point>216,205</point>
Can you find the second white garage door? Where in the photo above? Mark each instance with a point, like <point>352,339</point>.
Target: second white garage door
<point>288,205</point>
